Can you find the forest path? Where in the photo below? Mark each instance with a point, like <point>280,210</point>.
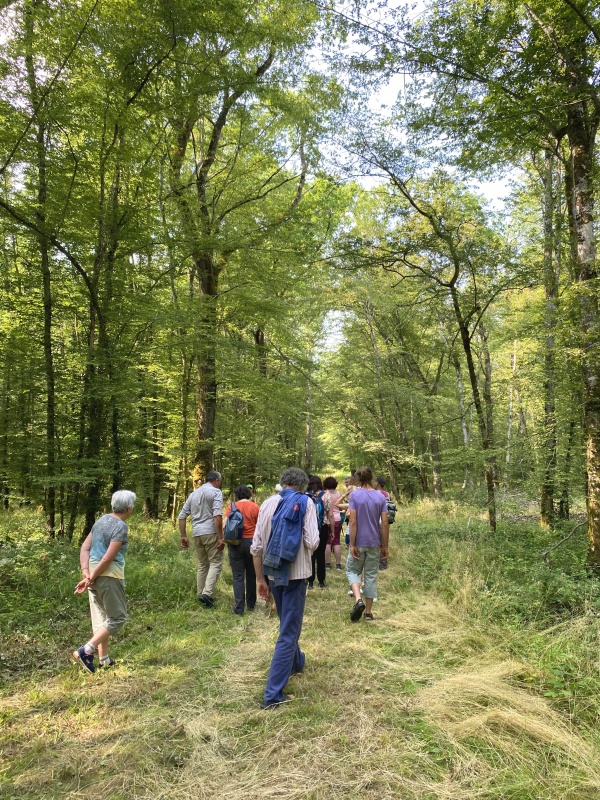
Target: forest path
<point>419,704</point>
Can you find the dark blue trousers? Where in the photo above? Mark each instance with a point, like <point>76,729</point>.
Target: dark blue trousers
<point>287,657</point>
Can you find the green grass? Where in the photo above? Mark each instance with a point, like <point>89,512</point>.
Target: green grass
<point>479,678</point>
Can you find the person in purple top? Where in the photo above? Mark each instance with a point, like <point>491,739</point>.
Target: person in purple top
<point>369,535</point>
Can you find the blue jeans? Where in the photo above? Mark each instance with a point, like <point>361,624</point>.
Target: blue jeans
<point>287,657</point>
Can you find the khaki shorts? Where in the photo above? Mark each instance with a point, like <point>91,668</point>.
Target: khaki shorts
<point>108,604</point>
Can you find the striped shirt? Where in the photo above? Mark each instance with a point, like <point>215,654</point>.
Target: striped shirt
<point>301,568</point>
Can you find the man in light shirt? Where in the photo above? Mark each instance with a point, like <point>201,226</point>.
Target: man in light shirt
<point>289,591</point>
<point>205,506</point>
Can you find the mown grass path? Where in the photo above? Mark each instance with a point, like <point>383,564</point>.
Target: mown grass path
<point>425,702</point>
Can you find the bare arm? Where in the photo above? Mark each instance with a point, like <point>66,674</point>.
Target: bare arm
<point>84,555</point>
<point>385,534</point>
<point>331,516</point>
<point>261,584</point>
<point>183,534</point>
<point>260,535</point>
<point>219,529</point>
<point>352,519</point>
<point>100,568</point>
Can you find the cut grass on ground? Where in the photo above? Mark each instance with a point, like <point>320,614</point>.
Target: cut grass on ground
<point>434,699</point>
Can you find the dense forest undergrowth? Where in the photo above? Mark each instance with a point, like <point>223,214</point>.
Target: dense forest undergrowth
<point>479,677</point>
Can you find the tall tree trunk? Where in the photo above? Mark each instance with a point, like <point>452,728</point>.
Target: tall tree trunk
<point>468,477</point>
<point>487,442</point>
<point>550,316</point>
<point>198,221</point>
<point>42,241</point>
<point>4,425</point>
<point>564,503</point>
<point>486,363</point>
<point>261,351</point>
<point>75,496</point>
<point>207,368</point>
<point>582,134</point>
<point>383,426</point>
<point>509,426</point>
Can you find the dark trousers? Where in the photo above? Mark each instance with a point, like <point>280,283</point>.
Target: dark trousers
<point>318,557</point>
<point>244,577</point>
<point>287,658</point>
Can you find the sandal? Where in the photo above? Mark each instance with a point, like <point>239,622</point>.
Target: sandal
<point>357,611</point>
<point>368,616</point>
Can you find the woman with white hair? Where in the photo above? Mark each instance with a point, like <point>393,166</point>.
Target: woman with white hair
<point>102,559</point>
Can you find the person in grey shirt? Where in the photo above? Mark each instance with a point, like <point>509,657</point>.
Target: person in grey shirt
<point>205,506</point>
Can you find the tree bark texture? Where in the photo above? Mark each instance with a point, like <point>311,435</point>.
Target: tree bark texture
<point>582,128</point>
<point>550,320</point>
<point>43,248</point>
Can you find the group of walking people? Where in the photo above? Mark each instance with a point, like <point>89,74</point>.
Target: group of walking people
<point>286,544</point>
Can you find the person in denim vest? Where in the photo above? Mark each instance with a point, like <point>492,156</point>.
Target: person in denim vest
<point>288,586</point>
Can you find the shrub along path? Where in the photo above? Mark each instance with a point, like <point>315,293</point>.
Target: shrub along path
<point>431,700</point>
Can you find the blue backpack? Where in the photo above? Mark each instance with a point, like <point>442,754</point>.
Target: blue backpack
<point>234,525</point>
<point>319,507</point>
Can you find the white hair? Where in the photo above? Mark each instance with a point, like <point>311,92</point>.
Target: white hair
<point>122,501</point>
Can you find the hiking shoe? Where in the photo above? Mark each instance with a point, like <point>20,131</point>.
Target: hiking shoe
<point>327,566</point>
<point>286,699</point>
<point>357,611</point>
<point>86,661</point>
<point>321,584</point>
<point>107,664</point>
<point>207,601</point>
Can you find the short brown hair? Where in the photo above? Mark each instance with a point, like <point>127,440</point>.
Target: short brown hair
<point>364,475</point>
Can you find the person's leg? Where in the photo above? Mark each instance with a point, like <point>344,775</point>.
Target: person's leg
<point>215,559</point>
<point>108,606</point>
<point>313,561</point>
<point>287,657</point>
<point>203,564</point>
<point>237,562</point>
<point>336,544</point>
<point>98,616</point>
<point>100,634</point>
<point>320,554</point>
<point>250,574</point>
<point>371,568</point>
<point>328,555</point>
<point>354,566</point>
